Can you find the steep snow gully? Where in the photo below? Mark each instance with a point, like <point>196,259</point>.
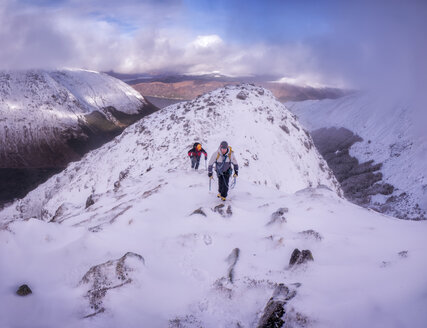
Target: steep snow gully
<point>130,236</point>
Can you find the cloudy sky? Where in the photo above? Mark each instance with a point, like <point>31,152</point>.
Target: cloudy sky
<point>341,43</point>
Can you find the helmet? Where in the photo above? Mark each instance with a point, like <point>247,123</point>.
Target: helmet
<point>223,145</point>
<point>199,146</point>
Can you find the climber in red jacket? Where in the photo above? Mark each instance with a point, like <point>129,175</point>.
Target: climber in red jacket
<point>195,153</point>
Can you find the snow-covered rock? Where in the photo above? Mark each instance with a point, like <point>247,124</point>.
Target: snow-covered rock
<point>390,134</point>
<point>275,308</point>
<point>207,263</point>
<point>48,118</point>
<point>110,275</point>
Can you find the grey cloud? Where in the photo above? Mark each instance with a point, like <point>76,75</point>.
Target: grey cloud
<point>380,46</point>
<point>89,34</point>
<point>377,44</point>
<point>373,43</point>
<point>31,41</point>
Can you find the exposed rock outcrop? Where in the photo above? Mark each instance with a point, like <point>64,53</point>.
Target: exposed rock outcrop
<point>312,234</point>
<point>232,261</point>
<point>274,313</point>
<point>199,211</point>
<point>110,275</point>
<point>300,257</point>
<point>223,211</point>
<point>24,290</point>
<point>278,216</point>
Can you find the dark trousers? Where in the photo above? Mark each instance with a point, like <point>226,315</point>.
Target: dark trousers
<point>195,161</point>
<point>223,180</point>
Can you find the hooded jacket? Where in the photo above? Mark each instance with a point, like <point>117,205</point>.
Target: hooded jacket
<point>223,162</point>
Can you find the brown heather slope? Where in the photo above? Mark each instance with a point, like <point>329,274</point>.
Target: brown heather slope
<point>187,90</point>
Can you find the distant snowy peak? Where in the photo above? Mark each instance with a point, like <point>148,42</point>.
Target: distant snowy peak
<point>271,147</point>
<point>52,117</point>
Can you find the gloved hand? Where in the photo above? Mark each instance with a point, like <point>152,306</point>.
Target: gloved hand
<point>206,158</point>
<point>236,173</point>
<point>210,175</point>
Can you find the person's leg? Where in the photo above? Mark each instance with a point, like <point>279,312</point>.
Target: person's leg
<point>197,163</point>
<point>220,184</point>
<point>193,162</point>
<point>225,179</point>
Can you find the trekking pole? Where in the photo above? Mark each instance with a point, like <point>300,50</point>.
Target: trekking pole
<point>210,183</point>
<point>206,167</point>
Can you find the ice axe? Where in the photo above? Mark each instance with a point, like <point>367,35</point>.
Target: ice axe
<point>210,183</point>
<point>233,184</point>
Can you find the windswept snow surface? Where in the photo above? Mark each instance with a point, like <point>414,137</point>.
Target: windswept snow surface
<point>390,136</point>
<point>142,200</point>
<point>41,111</point>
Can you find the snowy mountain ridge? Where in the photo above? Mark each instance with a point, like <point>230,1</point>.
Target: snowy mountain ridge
<point>129,236</point>
<point>48,116</point>
<point>273,149</point>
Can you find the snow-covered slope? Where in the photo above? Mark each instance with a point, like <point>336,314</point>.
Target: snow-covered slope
<point>131,237</point>
<point>389,137</point>
<point>368,271</point>
<point>272,148</point>
<point>48,118</point>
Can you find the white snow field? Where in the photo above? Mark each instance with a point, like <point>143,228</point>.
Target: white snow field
<point>391,135</point>
<point>194,260</point>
